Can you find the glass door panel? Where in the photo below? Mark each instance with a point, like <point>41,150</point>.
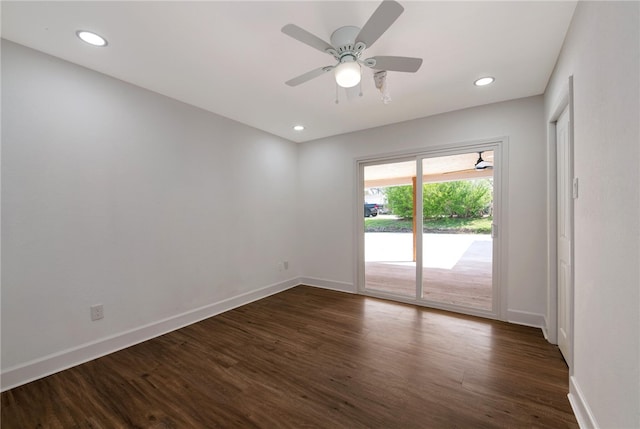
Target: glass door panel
<point>389,225</point>
<point>457,246</point>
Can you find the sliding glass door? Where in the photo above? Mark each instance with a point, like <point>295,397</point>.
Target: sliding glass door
<point>427,228</point>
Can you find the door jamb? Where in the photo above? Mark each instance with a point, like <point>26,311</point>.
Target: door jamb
<point>565,101</point>
<point>551,329</point>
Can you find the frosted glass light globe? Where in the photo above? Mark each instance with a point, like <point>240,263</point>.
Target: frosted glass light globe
<point>348,74</point>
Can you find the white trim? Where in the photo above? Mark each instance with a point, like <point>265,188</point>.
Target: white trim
<point>580,407</point>
<point>552,251</point>
<point>56,362</point>
<point>563,101</point>
<point>545,332</point>
<point>327,284</point>
<point>358,231</point>
<point>501,220</point>
<point>526,318</point>
<point>419,225</point>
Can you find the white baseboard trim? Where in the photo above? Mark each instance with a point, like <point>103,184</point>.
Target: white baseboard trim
<point>526,318</point>
<point>545,333</point>
<point>580,407</point>
<point>327,284</point>
<point>39,368</point>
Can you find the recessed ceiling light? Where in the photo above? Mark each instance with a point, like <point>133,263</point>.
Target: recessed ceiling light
<point>484,81</point>
<point>91,38</point>
<point>298,127</point>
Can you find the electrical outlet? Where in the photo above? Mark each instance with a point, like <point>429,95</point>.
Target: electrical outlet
<point>97,312</point>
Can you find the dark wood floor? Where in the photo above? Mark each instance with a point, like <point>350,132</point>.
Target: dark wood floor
<point>310,358</point>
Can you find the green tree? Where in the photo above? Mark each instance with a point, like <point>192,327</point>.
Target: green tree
<point>476,198</point>
<point>462,198</point>
<point>400,201</point>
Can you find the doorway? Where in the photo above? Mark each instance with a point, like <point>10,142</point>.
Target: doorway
<point>431,241</point>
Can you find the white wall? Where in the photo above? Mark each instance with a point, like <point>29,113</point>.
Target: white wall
<point>328,176</point>
<point>116,195</point>
<point>602,53</point>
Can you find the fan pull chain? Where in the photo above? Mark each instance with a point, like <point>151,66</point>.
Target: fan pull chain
<point>337,93</point>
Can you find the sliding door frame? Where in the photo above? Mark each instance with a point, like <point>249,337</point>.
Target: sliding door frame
<point>499,146</point>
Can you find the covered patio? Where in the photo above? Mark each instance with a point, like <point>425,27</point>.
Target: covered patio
<point>457,268</point>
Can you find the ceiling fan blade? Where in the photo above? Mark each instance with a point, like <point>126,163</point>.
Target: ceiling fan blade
<point>309,75</point>
<point>379,22</point>
<point>482,165</point>
<point>305,37</point>
<point>401,64</point>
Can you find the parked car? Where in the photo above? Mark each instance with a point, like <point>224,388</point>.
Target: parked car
<point>370,210</point>
<point>383,209</point>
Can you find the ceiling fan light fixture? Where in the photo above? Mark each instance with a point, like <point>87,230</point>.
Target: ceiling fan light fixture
<point>91,38</point>
<point>348,74</point>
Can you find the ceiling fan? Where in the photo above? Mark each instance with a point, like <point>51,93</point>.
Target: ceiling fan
<point>481,164</point>
<point>348,44</point>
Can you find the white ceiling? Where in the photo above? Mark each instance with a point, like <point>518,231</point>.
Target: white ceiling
<point>230,57</point>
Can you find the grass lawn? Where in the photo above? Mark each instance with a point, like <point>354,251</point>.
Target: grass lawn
<point>445,225</point>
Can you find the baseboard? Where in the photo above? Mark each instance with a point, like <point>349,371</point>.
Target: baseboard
<point>545,333</point>
<point>580,407</point>
<point>526,318</point>
<point>30,371</point>
<point>545,330</point>
<point>327,284</point>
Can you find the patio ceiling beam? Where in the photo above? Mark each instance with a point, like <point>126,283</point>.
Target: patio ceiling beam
<point>428,178</point>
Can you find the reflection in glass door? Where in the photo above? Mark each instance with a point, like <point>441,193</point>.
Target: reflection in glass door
<point>428,224</point>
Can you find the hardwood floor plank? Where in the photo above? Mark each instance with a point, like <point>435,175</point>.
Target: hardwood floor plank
<point>312,358</point>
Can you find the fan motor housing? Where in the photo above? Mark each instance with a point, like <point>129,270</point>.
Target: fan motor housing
<point>344,41</point>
